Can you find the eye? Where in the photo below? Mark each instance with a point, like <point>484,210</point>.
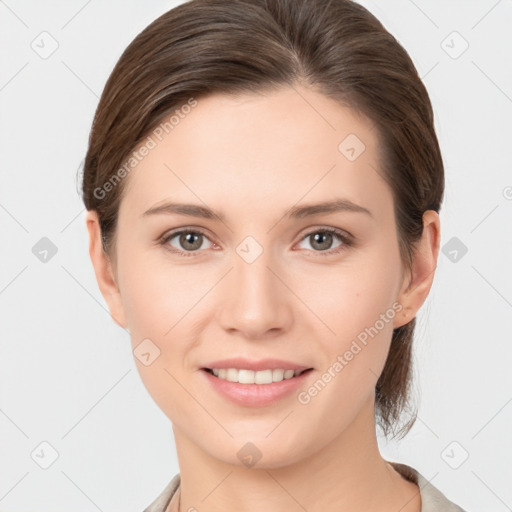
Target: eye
<point>189,242</point>
<point>322,240</point>
<point>186,241</point>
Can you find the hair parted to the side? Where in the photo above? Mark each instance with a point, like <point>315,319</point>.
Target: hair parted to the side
<point>336,47</point>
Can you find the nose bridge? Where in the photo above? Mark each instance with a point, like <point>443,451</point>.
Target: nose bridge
<point>256,299</point>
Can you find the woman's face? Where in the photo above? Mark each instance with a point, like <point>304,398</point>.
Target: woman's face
<point>266,281</point>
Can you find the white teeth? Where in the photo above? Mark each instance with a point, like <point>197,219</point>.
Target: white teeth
<point>252,377</point>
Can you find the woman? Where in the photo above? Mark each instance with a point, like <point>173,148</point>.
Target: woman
<point>263,182</point>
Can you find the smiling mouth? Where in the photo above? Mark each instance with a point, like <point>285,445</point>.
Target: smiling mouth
<point>243,376</point>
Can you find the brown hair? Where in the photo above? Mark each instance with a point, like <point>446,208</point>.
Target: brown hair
<point>336,47</point>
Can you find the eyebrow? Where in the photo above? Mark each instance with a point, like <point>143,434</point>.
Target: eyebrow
<point>296,212</point>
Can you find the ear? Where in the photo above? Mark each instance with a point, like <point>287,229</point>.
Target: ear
<point>416,286</point>
<point>103,269</point>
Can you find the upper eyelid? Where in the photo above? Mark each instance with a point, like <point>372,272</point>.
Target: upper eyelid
<point>338,231</point>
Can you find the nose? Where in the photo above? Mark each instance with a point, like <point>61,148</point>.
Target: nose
<point>256,303</point>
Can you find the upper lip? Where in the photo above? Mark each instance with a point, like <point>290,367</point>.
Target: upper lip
<point>262,364</point>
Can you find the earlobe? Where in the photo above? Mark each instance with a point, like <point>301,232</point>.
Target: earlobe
<point>103,270</point>
<point>416,288</point>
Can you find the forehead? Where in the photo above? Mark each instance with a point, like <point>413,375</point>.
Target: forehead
<point>260,150</point>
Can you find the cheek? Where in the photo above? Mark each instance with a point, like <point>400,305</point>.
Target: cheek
<point>156,294</point>
<point>356,304</point>
<point>351,297</point>
<point>165,303</point>
<point>156,299</point>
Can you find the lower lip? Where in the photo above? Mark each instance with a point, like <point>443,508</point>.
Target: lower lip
<point>256,395</point>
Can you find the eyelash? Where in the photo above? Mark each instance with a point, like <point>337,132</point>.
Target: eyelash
<point>346,241</point>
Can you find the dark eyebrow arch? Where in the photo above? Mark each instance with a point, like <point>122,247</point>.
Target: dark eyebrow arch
<point>297,212</point>
<point>194,210</point>
<point>337,205</point>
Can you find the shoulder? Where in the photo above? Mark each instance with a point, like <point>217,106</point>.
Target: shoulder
<point>161,502</point>
<point>432,499</point>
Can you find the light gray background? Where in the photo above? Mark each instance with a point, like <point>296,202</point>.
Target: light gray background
<point>68,377</point>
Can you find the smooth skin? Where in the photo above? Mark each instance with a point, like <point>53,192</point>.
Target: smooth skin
<point>252,158</point>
